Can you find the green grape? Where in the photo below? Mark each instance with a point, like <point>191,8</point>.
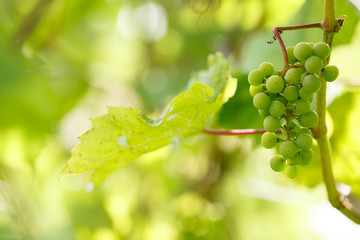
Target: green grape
<point>304,130</point>
<point>306,156</point>
<point>302,106</point>
<point>309,119</point>
<point>295,160</point>
<point>268,140</point>
<point>304,141</point>
<point>305,95</point>
<point>292,123</point>
<point>288,149</point>
<point>272,95</point>
<point>267,68</point>
<point>291,171</point>
<point>277,73</point>
<point>264,113</point>
<point>274,84</point>
<point>302,70</point>
<point>290,55</point>
<point>330,73</point>
<point>277,163</point>
<point>256,89</point>
<point>277,108</point>
<point>293,134</point>
<point>302,51</point>
<point>256,77</point>
<point>271,123</point>
<point>311,83</point>
<point>291,93</point>
<point>321,49</point>
<point>282,136</point>
<point>299,130</point>
<point>280,98</point>
<point>296,129</point>
<point>261,101</point>
<point>293,75</point>
<point>313,64</point>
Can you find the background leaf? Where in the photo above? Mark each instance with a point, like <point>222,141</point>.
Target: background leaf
<point>124,134</point>
<point>85,55</point>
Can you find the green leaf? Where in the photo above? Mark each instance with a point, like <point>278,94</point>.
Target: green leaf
<point>125,134</point>
<point>236,113</point>
<point>345,112</point>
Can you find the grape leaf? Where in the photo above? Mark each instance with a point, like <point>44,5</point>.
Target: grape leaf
<point>125,134</point>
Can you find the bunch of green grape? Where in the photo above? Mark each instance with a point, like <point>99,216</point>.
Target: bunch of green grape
<point>285,103</point>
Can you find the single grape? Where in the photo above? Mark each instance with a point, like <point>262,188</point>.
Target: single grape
<point>302,51</point>
<point>291,171</point>
<point>321,49</point>
<point>283,136</point>
<point>288,149</point>
<point>305,95</point>
<point>300,130</point>
<point>309,119</point>
<point>261,101</point>
<point>293,75</point>
<point>293,133</point>
<point>302,70</point>
<point>311,83</point>
<point>267,68</point>
<point>280,98</point>
<point>304,141</point>
<point>264,113</point>
<point>304,130</point>
<point>277,73</point>
<point>256,89</point>
<point>292,123</point>
<point>313,64</point>
<point>330,73</point>
<point>271,123</point>
<point>274,84</point>
<point>277,163</point>
<point>297,128</point>
<point>290,55</point>
<point>302,106</point>
<point>277,108</point>
<point>306,156</point>
<point>295,160</point>
<point>256,77</point>
<point>268,140</point>
<point>272,95</point>
<point>291,93</point>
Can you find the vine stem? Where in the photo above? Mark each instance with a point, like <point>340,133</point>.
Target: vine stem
<point>330,26</point>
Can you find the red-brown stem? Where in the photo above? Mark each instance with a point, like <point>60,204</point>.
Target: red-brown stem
<point>236,131</point>
<point>278,30</point>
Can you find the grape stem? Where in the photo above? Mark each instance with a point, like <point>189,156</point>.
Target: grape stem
<point>278,30</point>
<point>236,131</point>
<point>345,204</point>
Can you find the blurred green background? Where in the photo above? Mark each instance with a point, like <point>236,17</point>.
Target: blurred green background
<point>63,62</point>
